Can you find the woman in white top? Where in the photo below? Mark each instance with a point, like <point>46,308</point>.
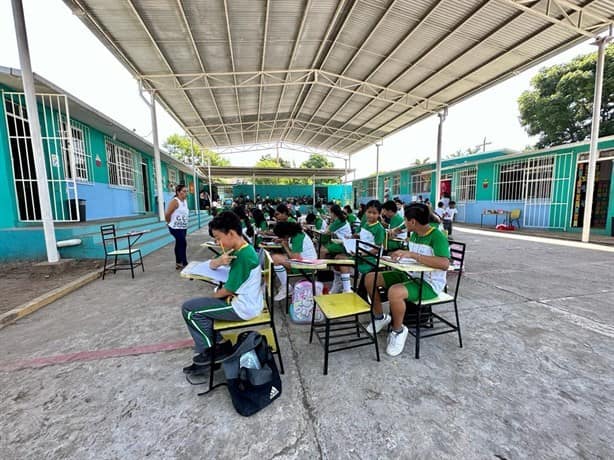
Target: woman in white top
<point>177,217</point>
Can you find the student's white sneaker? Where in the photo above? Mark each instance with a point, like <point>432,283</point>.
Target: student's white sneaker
<point>379,324</point>
<point>396,342</point>
<point>281,295</point>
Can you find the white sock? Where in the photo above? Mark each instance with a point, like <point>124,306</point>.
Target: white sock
<point>281,273</point>
<point>345,280</point>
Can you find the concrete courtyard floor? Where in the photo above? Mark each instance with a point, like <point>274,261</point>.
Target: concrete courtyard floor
<point>97,374</point>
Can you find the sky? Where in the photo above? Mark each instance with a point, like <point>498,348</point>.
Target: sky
<point>65,52</point>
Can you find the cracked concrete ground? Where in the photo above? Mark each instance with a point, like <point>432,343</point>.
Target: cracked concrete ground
<point>534,379</point>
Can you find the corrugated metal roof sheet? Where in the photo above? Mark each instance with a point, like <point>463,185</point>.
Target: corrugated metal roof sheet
<point>396,51</point>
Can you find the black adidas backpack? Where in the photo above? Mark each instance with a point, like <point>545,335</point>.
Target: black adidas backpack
<point>252,388</point>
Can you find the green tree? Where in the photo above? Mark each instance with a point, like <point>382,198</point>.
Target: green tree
<point>463,153</point>
<point>559,106</point>
<point>267,161</point>
<point>317,161</point>
<point>424,161</point>
<point>180,147</point>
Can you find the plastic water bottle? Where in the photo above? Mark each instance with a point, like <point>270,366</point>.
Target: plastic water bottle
<point>249,360</point>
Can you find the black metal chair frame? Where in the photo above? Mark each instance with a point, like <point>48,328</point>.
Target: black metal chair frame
<point>457,257</point>
<point>109,236</point>
<point>268,299</point>
<point>349,330</point>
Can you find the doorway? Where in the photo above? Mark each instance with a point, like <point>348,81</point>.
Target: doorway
<point>146,192</point>
<point>601,197</point>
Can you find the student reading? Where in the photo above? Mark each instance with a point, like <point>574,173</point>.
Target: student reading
<point>241,297</point>
<point>428,246</point>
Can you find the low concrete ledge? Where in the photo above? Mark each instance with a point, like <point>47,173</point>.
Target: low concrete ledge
<point>45,299</point>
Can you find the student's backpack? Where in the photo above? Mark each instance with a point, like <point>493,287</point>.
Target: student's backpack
<point>301,308</point>
<point>251,374</point>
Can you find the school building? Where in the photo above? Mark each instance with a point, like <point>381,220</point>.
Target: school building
<point>548,186</point>
<point>98,171</point>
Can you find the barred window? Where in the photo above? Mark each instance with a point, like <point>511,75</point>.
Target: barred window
<point>525,179</point>
<point>396,185</point>
<point>371,187</point>
<point>121,165</point>
<point>172,178</point>
<point>82,157</point>
<point>420,183</point>
<point>465,187</point>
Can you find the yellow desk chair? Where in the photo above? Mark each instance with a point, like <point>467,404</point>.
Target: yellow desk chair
<point>515,216</point>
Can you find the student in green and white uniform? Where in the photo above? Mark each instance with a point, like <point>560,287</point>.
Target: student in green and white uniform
<point>351,217</point>
<point>260,225</point>
<point>246,225</point>
<point>395,225</point>
<point>282,214</point>
<point>339,229</point>
<point>318,223</point>
<point>428,246</point>
<point>241,297</point>
<point>371,232</point>
<point>297,245</point>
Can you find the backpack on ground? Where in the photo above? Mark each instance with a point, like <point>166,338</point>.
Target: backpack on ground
<point>301,308</point>
<point>251,374</point>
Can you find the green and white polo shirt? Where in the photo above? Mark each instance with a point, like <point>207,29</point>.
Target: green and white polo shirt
<point>304,246</point>
<point>340,229</point>
<point>373,233</point>
<point>245,280</point>
<point>434,243</point>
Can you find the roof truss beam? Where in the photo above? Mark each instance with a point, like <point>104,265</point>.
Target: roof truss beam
<point>271,78</point>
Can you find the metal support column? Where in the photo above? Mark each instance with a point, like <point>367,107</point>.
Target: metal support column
<point>377,146</point>
<point>313,179</point>
<point>196,187</point>
<point>35,130</point>
<point>601,42</point>
<point>442,117</point>
<point>254,187</point>
<point>210,183</point>
<point>157,162</point>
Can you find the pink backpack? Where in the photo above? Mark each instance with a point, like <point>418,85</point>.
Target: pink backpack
<point>302,303</point>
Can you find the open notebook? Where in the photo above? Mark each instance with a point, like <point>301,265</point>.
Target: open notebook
<point>402,260</point>
<point>203,269</point>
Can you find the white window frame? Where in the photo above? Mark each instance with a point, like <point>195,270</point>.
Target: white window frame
<point>420,183</point>
<point>371,187</point>
<point>121,165</point>
<point>396,185</point>
<point>527,179</point>
<point>173,178</point>
<point>81,151</point>
<point>466,189</point>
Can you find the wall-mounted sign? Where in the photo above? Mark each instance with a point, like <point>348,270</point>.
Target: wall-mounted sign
<point>98,161</point>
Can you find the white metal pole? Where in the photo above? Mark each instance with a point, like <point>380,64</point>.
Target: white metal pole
<point>442,117</point>
<point>377,146</point>
<point>592,158</point>
<point>210,184</point>
<point>254,187</point>
<point>313,178</point>
<point>35,130</point>
<point>196,187</point>
<point>157,162</point>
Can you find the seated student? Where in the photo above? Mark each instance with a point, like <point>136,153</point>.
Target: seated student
<point>317,222</point>
<point>394,224</point>
<point>428,246</point>
<point>372,232</point>
<point>319,210</point>
<point>400,210</point>
<point>246,225</point>
<point>361,213</point>
<point>340,229</point>
<point>282,214</point>
<point>297,246</point>
<point>260,225</point>
<point>241,297</point>
<point>351,218</point>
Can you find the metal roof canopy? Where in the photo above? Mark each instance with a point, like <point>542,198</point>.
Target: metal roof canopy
<point>294,173</point>
<point>328,74</point>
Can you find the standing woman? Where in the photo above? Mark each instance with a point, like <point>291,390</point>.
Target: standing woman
<point>177,216</point>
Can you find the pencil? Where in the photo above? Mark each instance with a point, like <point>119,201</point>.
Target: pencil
<point>222,246</point>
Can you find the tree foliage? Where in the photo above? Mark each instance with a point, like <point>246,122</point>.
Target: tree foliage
<point>463,153</point>
<point>559,106</point>
<point>317,161</point>
<point>180,147</point>
<point>419,162</point>
<point>267,161</point>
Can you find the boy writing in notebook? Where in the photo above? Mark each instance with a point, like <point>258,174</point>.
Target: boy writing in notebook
<point>241,297</point>
<point>428,246</point>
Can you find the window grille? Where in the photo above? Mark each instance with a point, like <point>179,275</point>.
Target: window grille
<point>420,183</point>
<point>371,187</point>
<point>465,185</point>
<point>121,165</point>
<point>172,178</point>
<point>81,151</point>
<point>396,184</point>
<point>524,179</point>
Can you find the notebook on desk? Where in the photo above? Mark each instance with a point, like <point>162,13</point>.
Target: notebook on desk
<point>202,269</point>
<point>402,260</point>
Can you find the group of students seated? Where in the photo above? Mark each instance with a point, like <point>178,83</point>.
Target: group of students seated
<point>385,226</point>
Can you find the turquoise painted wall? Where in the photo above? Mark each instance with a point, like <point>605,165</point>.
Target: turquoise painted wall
<point>7,188</point>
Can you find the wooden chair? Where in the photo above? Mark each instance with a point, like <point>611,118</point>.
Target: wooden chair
<point>425,307</point>
<point>342,311</point>
<point>265,318</point>
<point>111,243</point>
